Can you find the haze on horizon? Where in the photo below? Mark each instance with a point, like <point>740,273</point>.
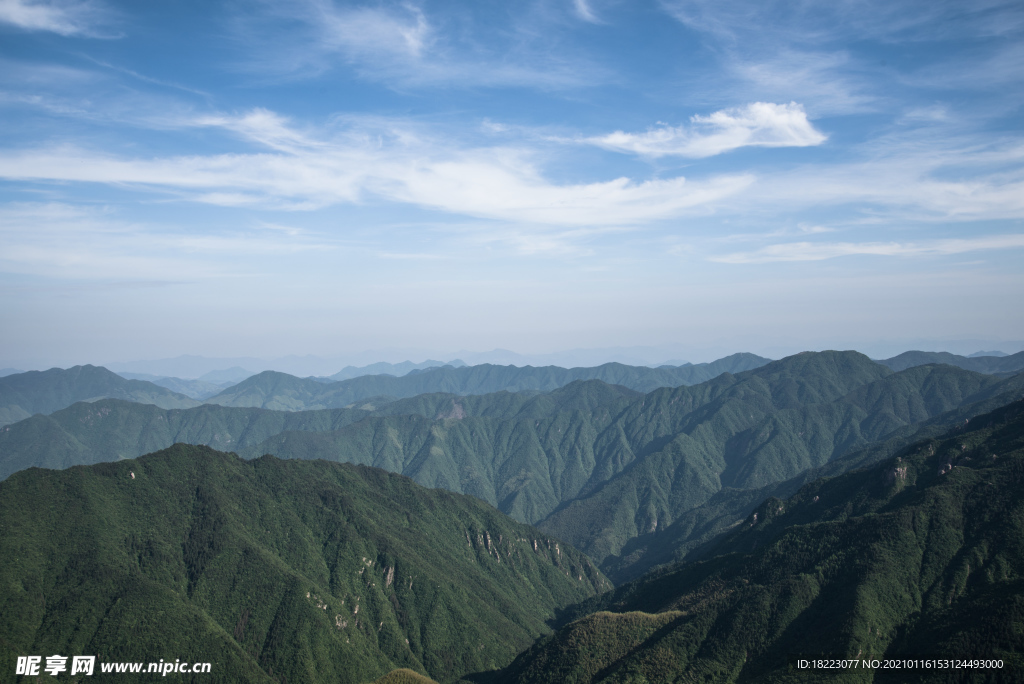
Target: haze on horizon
<point>261,179</point>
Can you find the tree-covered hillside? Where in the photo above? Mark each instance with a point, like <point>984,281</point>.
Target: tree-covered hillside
<point>747,432</point>
<point>274,571</point>
<point>25,394</point>
<point>922,555</point>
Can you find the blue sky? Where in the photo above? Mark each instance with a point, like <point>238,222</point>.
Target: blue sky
<point>316,177</point>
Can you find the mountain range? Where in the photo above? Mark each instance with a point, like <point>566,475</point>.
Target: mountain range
<point>919,556</point>
<point>823,504</point>
<point>45,392</point>
<point>288,570</point>
<point>999,363</point>
<point>25,394</point>
<point>198,389</point>
<point>383,368</point>
<point>280,391</point>
<point>629,478</point>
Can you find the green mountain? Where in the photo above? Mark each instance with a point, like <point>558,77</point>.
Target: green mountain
<point>686,537</point>
<point>196,389</point>
<point>980,364</point>
<point>273,571</point>
<point>922,555</point>
<point>633,480</point>
<point>748,431</point>
<point>112,429</point>
<point>628,468</point>
<point>25,394</point>
<point>280,391</point>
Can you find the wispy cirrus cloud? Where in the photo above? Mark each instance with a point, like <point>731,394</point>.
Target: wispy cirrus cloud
<point>300,171</point>
<point>811,251</point>
<point>818,23</point>
<point>832,56</point>
<point>759,124</point>
<point>933,173</point>
<point>67,18</point>
<point>584,11</point>
<point>398,43</point>
<point>827,82</point>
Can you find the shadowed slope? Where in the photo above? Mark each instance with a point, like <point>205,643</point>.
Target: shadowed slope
<point>920,556</point>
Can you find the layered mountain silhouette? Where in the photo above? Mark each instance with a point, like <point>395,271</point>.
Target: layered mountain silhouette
<point>383,368</point>
<point>280,391</point>
<point>25,394</point>
<point>1004,363</point>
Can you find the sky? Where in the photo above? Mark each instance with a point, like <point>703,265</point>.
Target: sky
<point>383,180</point>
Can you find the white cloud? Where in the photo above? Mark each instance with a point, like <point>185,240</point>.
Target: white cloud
<point>261,126</point>
<point>304,172</point>
<point>759,124</point>
<point>65,18</point>
<point>372,32</point>
<point>821,22</point>
<point>400,44</point>
<point>827,82</point>
<point>584,11</point>
<point>810,251</point>
<point>926,175</point>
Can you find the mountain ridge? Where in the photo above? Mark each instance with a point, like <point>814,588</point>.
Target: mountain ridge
<point>25,394</point>
<point>271,389</point>
<point>1007,363</point>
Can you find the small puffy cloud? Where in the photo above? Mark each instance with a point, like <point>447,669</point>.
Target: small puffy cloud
<point>64,18</point>
<point>760,124</point>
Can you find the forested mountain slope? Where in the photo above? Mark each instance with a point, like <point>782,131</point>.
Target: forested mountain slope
<point>274,571</point>
<point>25,394</point>
<point>274,390</point>
<point>746,432</point>
<point>920,556</point>
<point>687,535</point>
<point>111,429</point>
